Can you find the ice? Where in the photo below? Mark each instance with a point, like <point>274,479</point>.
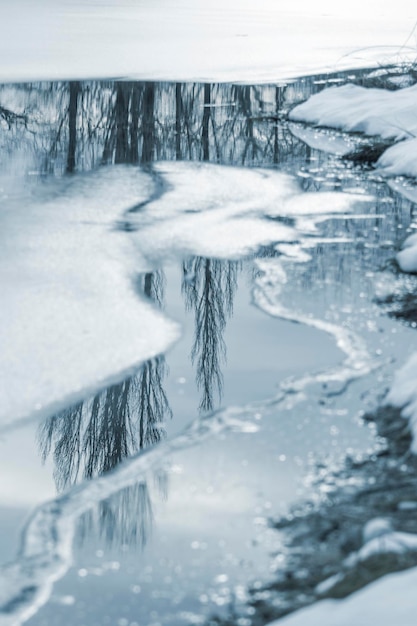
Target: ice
<point>194,40</point>
<point>46,549</point>
<point>223,212</point>
<point>71,320</point>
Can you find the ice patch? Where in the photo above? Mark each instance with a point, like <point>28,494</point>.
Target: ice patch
<point>71,320</point>
<point>225,212</point>
<point>358,361</point>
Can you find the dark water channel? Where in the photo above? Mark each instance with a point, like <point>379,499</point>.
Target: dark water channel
<point>283,352</point>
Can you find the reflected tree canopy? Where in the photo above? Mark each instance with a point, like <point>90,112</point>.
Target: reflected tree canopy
<point>93,437</point>
<point>209,286</point>
<point>62,127</point>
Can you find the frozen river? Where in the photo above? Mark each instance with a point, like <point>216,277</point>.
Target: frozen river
<point>193,333</point>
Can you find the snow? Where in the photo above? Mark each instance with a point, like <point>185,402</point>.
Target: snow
<point>400,159</point>
<point>390,600</point>
<point>71,320</point>
<point>221,212</point>
<point>223,40</point>
<point>389,114</point>
<point>376,112</point>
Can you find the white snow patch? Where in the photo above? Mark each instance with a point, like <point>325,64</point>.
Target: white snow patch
<point>390,114</point>
<point>400,159</point>
<point>390,600</point>
<point>71,321</point>
<point>407,258</point>
<point>217,211</point>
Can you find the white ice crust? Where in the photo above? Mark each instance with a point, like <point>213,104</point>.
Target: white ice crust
<point>220,40</point>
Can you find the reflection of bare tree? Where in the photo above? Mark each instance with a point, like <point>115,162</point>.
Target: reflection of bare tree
<point>209,286</point>
<point>68,126</point>
<point>74,90</point>
<point>95,436</point>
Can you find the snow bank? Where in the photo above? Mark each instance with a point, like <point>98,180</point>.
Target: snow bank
<point>390,600</point>
<point>389,114</point>
<point>221,40</point>
<point>71,321</point>
<point>407,258</point>
<point>400,159</point>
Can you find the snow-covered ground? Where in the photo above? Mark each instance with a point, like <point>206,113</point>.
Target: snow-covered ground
<point>220,40</point>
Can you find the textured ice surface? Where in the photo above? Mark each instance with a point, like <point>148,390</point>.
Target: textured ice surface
<point>193,40</point>
<point>71,320</point>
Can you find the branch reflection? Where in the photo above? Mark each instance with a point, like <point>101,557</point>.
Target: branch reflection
<point>209,287</point>
<point>93,437</point>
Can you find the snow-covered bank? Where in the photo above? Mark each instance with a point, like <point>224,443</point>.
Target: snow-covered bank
<point>194,40</point>
<point>389,114</point>
<point>375,112</point>
<point>385,602</point>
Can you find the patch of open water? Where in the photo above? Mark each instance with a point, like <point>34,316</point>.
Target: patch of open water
<point>290,336</point>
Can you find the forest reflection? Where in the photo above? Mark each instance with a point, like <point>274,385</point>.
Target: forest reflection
<point>63,127</point>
